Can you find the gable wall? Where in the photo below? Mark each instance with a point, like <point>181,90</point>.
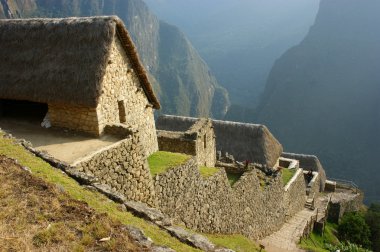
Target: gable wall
<point>120,83</point>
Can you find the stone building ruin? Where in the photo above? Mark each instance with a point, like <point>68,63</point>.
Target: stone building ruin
<point>251,142</point>
<point>195,139</point>
<point>84,72</point>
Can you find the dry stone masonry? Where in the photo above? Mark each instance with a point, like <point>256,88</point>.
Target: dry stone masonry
<point>124,168</point>
<point>197,140</point>
<point>211,205</point>
<point>123,99</point>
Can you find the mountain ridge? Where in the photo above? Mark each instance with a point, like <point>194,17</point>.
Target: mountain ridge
<point>322,96</point>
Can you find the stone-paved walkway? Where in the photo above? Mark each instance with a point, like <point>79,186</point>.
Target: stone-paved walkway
<point>288,236</point>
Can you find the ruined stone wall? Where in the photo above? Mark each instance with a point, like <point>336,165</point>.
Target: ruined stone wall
<point>313,187</point>
<point>198,141</point>
<point>176,142</point>
<point>74,117</point>
<point>124,168</point>
<point>206,147</point>
<point>295,192</point>
<point>211,205</point>
<point>124,100</point>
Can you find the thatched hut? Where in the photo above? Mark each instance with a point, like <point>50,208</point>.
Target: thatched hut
<point>86,70</point>
<point>244,141</point>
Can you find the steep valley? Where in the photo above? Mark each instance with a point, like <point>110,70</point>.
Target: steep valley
<point>323,95</point>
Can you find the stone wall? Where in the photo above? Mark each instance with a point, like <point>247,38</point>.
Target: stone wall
<point>176,142</point>
<point>74,117</point>
<point>206,149</point>
<point>313,187</point>
<point>198,140</point>
<point>124,168</point>
<point>343,202</point>
<point>211,205</point>
<point>124,100</point>
<point>309,163</point>
<point>244,141</point>
<point>295,191</point>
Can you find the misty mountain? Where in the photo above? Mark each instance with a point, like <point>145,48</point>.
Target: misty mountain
<point>241,39</point>
<point>323,96</point>
<point>180,77</point>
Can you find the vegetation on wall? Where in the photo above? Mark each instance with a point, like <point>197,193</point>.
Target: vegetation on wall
<point>161,161</point>
<point>287,175</point>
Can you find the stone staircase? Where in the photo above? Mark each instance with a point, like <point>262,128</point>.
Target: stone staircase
<point>287,238</point>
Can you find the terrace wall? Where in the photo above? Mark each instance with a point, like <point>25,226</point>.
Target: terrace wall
<point>211,205</point>
<point>124,168</point>
<point>295,191</point>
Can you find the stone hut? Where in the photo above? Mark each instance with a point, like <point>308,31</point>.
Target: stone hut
<point>244,141</point>
<point>309,163</point>
<point>86,71</point>
<point>196,139</point>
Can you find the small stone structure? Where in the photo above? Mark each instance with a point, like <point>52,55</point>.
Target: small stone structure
<point>309,163</point>
<point>198,140</point>
<point>244,141</point>
<point>85,69</point>
<point>212,205</point>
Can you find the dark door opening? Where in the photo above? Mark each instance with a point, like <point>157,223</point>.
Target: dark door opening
<point>122,114</point>
<point>23,110</point>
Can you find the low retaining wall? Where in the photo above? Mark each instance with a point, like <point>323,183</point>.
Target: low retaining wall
<point>211,205</point>
<point>123,167</point>
<point>295,193</point>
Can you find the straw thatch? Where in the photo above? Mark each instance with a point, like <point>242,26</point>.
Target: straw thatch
<point>243,140</point>
<point>309,163</point>
<point>62,61</point>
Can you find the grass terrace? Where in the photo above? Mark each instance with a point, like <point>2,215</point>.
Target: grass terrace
<point>207,171</point>
<point>287,175</point>
<point>161,161</point>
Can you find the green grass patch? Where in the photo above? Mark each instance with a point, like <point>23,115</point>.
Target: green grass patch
<point>287,174</point>
<point>161,161</point>
<point>95,200</point>
<point>238,243</point>
<point>207,171</point>
<point>316,242</point>
<point>233,177</point>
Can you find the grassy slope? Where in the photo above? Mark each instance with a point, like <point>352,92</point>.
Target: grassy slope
<point>207,171</point>
<point>161,161</point>
<point>316,242</point>
<point>95,200</point>
<point>287,174</point>
<point>39,216</point>
<point>102,204</point>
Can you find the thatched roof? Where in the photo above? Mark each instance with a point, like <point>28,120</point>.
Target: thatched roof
<point>309,163</point>
<point>62,61</point>
<point>243,140</point>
